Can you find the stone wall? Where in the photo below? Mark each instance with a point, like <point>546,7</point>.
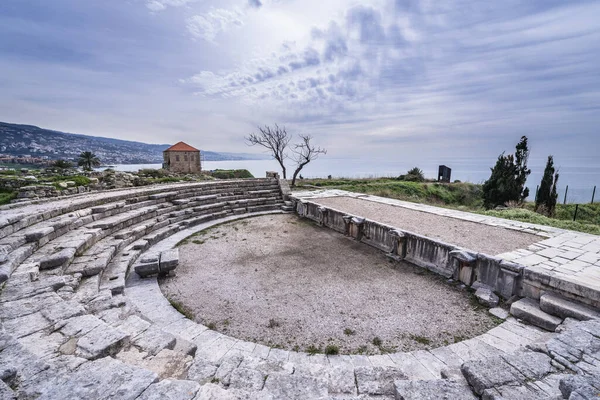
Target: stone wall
<point>471,268</point>
<point>187,162</point>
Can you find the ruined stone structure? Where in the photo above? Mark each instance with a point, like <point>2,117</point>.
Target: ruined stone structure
<point>182,158</point>
<point>77,323</point>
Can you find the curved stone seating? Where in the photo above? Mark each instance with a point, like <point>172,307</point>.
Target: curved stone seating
<point>75,324</point>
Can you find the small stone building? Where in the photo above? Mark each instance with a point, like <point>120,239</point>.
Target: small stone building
<point>182,158</point>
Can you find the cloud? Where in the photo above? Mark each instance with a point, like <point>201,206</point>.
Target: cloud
<point>383,75</point>
<point>255,3</point>
<point>160,5</point>
<point>207,26</point>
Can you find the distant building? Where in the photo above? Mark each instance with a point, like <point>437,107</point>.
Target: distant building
<point>183,158</point>
<point>444,174</point>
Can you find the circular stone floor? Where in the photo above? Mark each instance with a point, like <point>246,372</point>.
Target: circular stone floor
<point>285,282</point>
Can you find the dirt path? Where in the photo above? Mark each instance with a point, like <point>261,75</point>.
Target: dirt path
<point>281,281</point>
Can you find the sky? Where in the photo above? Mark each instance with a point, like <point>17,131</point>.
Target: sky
<point>379,79</point>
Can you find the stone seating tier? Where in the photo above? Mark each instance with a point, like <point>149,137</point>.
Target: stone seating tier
<point>75,323</point>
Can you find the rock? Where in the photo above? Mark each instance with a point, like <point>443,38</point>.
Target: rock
<point>506,369</point>
<point>169,260</point>
<point>563,308</point>
<point>70,184</point>
<point>58,259</point>
<point>245,378</point>
<point>101,379</point>
<point>4,252</point>
<point>586,387</point>
<point>63,185</point>
<point>168,364</point>
<point>6,392</point>
<point>435,390</point>
<point>529,310</point>
<point>202,371</point>
<point>486,297</point>
<point>153,340</point>
<point>62,310</point>
<point>227,365</point>
<point>499,312</point>
<point>37,234</point>
<point>377,380</point>
<point>171,390</point>
<point>295,387</point>
<point>146,268</point>
<point>100,342</point>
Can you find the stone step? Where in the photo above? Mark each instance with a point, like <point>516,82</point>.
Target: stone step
<point>529,310</point>
<point>563,308</point>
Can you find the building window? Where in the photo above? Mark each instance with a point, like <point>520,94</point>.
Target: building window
<point>177,158</point>
<point>185,158</point>
<point>191,158</point>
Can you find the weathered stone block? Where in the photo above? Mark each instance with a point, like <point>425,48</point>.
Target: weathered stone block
<point>486,297</point>
<point>36,235</point>
<point>561,307</point>
<point>436,389</point>
<point>377,380</point>
<point>529,310</point>
<point>169,260</point>
<point>171,390</point>
<point>100,342</point>
<point>145,270</point>
<point>58,259</point>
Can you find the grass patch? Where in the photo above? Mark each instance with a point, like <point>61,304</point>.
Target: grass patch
<point>421,339</point>
<point>182,309</point>
<point>349,332</point>
<point>6,196</point>
<point>458,338</point>
<point>212,326</point>
<point>588,219</point>
<point>362,350</point>
<point>312,350</point>
<point>332,350</point>
<point>79,180</point>
<point>377,341</point>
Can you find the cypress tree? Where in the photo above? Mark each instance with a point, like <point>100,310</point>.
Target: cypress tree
<point>507,181</point>
<point>521,158</point>
<point>547,193</point>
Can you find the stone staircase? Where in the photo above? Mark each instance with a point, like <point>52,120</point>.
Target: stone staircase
<point>550,311</point>
<point>75,323</point>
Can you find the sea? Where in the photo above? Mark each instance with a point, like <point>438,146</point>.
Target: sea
<point>581,174</point>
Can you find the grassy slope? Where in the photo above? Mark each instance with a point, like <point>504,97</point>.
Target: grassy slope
<point>466,197</point>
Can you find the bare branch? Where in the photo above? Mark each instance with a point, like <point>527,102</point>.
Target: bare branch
<point>275,140</point>
<point>305,152</point>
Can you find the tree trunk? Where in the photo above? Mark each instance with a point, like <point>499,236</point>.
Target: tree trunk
<point>296,172</point>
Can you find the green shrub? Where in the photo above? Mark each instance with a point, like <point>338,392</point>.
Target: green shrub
<point>6,196</point>
<point>414,175</point>
<point>332,350</point>
<point>231,174</point>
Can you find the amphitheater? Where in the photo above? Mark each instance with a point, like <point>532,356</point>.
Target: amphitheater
<point>79,322</point>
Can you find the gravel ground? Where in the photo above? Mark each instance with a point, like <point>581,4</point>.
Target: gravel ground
<point>282,281</point>
<point>482,238</point>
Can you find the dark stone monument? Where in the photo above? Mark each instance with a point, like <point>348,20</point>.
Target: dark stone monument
<point>444,174</point>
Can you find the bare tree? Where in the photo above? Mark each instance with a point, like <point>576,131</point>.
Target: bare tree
<point>305,152</point>
<point>275,140</point>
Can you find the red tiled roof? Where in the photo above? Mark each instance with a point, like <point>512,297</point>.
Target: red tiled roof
<point>181,147</point>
